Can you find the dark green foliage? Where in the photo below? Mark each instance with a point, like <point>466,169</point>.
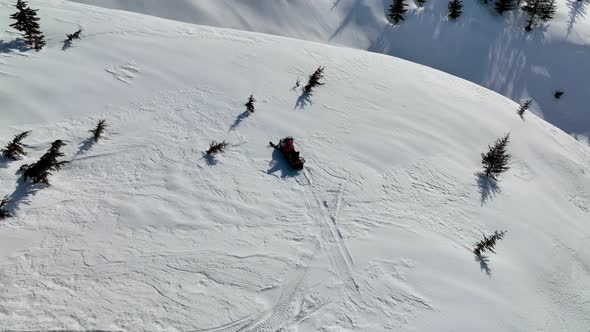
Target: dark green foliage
<point>495,161</point>
<point>455,7</point>
<point>420,3</point>
<point>314,80</point>
<point>503,6</point>
<point>27,22</point>
<point>539,11</point>
<point>15,148</point>
<point>524,107</point>
<point>488,243</point>
<point>558,94</point>
<point>3,212</point>
<point>99,130</point>
<point>215,147</point>
<point>397,11</point>
<point>74,36</point>
<point>250,104</point>
<point>40,171</point>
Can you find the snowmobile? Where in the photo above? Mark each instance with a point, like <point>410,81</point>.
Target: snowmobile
<point>287,148</point>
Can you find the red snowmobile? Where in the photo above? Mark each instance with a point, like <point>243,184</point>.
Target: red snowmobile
<point>287,148</point>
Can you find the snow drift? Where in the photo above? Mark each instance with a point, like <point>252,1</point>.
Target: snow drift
<point>142,232</point>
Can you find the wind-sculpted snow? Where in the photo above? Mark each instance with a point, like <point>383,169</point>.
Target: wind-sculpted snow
<point>141,231</point>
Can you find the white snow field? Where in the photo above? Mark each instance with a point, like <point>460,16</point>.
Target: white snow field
<point>481,46</point>
<point>140,232</point>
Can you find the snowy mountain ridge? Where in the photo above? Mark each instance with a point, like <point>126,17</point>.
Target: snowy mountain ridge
<point>481,46</point>
<point>142,232</point>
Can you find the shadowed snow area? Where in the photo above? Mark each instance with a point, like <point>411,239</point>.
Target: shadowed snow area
<point>481,46</point>
<point>142,232</point>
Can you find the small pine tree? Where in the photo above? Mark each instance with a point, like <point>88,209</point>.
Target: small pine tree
<point>455,7</point>
<point>495,161</point>
<point>539,11</point>
<point>27,22</point>
<point>314,80</point>
<point>99,130</point>
<point>488,243</point>
<point>558,94</point>
<point>524,107</point>
<point>74,36</point>
<point>215,148</point>
<point>40,171</point>
<point>15,148</point>
<point>250,104</point>
<point>3,212</point>
<point>397,11</point>
<point>420,3</point>
<point>503,6</point>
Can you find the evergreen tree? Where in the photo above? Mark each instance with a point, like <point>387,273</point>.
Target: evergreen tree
<point>504,6</point>
<point>420,3</point>
<point>539,11</point>
<point>488,243</point>
<point>314,80</point>
<point>15,148</point>
<point>39,171</point>
<point>74,36</point>
<point>215,147</point>
<point>495,161</point>
<point>99,130</point>
<point>27,22</point>
<point>455,7</point>
<point>250,104</point>
<point>558,94</point>
<point>524,107</point>
<point>3,212</point>
<point>397,11</point>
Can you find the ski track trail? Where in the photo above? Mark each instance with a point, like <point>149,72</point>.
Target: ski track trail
<point>331,237</point>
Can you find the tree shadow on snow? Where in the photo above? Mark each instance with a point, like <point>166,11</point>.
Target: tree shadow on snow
<point>239,120</point>
<point>488,187</point>
<point>21,194</point>
<point>483,261</point>
<point>303,100</point>
<point>13,45</point>
<point>210,159</point>
<point>280,164</point>
<point>67,44</point>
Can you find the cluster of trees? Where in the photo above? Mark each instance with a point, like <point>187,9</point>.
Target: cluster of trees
<point>539,11</point>
<point>27,22</point>
<point>39,171</point>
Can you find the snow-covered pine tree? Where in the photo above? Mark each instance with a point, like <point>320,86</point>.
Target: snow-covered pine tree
<point>397,10</point>
<point>455,7</point>
<point>503,6</point>
<point>420,3</point>
<point>524,107</point>
<point>27,22</point>
<point>3,212</point>
<point>539,11</point>
<point>495,161</point>
<point>250,104</point>
<point>215,148</point>
<point>15,148</point>
<point>488,243</point>
<point>314,80</point>
<point>98,130</point>
<point>40,171</point>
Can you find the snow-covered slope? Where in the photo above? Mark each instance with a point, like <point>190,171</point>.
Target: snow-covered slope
<point>481,47</point>
<point>140,232</point>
